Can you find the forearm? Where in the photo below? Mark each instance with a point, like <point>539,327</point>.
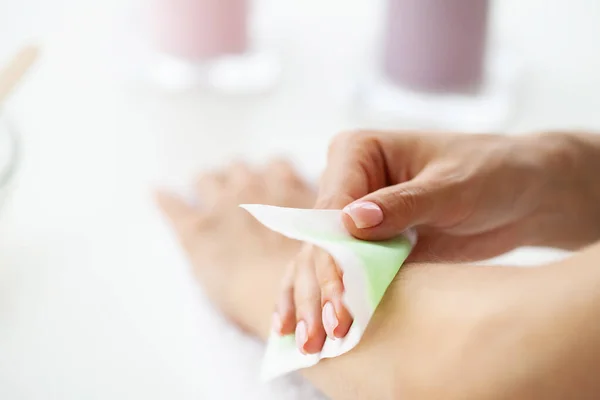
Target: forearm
<point>568,170</point>
<point>465,332</point>
<point>565,356</point>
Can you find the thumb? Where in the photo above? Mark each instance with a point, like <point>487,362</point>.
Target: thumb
<point>387,212</point>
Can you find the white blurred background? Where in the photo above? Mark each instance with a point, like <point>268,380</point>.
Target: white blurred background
<point>95,299</point>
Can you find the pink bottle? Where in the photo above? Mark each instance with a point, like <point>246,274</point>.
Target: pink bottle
<point>207,44</point>
<point>200,29</point>
<point>436,45</point>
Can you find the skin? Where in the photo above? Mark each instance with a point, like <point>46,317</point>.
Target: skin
<point>459,332</point>
<point>470,197</point>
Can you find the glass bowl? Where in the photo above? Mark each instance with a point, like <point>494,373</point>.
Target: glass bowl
<point>9,152</point>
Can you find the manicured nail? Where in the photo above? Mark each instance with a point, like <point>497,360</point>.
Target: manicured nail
<point>330,321</point>
<point>301,335</point>
<point>276,323</point>
<point>365,214</point>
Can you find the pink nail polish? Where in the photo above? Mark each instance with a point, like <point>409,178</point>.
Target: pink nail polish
<point>365,214</point>
<point>330,321</point>
<point>276,323</point>
<point>301,335</point>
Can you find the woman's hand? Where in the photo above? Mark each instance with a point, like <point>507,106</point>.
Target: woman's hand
<point>470,197</point>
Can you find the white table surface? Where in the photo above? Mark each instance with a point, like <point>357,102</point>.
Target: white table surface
<point>95,299</point>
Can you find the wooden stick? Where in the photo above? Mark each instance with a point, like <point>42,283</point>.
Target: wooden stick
<point>11,74</point>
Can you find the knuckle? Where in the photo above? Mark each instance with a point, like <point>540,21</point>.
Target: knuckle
<point>281,167</point>
<point>331,287</point>
<point>287,174</point>
<point>342,139</point>
<point>330,281</point>
<point>406,199</point>
<point>326,263</point>
<point>249,183</point>
<point>207,178</point>
<point>239,169</point>
<point>306,300</point>
<point>400,203</point>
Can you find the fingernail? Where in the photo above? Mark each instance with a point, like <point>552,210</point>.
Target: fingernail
<point>276,323</point>
<point>301,335</point>
<point>330,321</point>
<point>365,214</point>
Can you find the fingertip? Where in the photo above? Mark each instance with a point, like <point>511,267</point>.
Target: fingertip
<point>310,335</point>
<point>344,322</point>
<point>174,207</point>
<point>381,231</point>
<point>330,319</point>
<point>349,224</point>
<point>301,333</point>
<point>359,233</point>
<point>336,320</point>
<point>364,214</point>
<point>315,340</point>
<point>162,198</point>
